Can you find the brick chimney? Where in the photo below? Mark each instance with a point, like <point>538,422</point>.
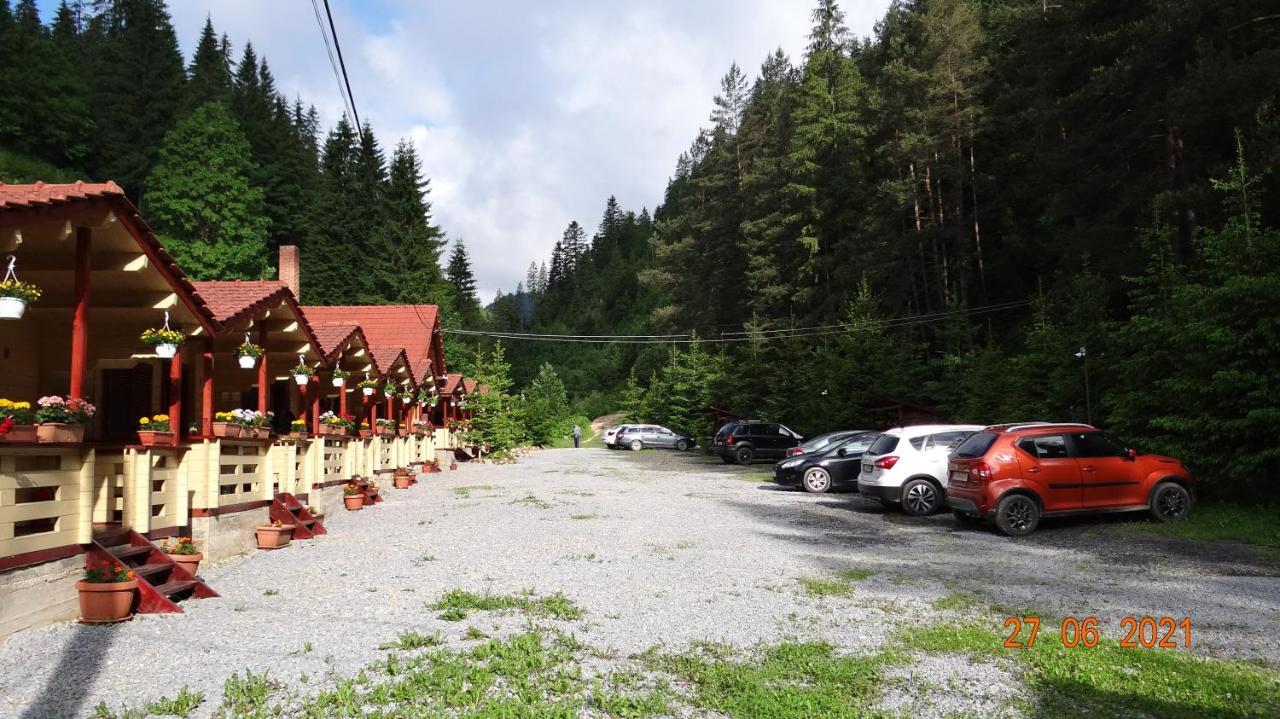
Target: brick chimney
<point>290,273</point>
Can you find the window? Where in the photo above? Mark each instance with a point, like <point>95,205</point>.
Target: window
<point>763,430</point>
<point>918,442</point>
<point>976,446</point>
<point>1053,446</point>
<point>884,444</point>
<point>857,444</point>
<point>1097,444</point>
<point>947,440</point>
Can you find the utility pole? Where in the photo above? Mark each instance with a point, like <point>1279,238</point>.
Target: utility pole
<point>1083,355</point>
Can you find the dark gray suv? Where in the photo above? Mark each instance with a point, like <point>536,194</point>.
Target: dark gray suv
<point>745,441</point>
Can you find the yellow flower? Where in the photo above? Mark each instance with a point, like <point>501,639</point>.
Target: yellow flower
<point>22,405</point>
<point>161,418</point>
<point>5,403</point>
<point>144,420</point>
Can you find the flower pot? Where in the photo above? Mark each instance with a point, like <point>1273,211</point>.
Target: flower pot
<point>302,379</point>
<point>157,439</point>
<point>368,391</point>
<point>247,362</point>
<point>270,537</point>
<point>59,432</point>
<point>166,351</point>
<point>402,482</point>
<point>106,602</point>
<point>298,435</point>
<point>262,433</point>
<point>226,430</point>
<point>20,433</point>
<point>189,562</point>
<point>402,432</point>
<point>12,308</point>
<point>338,381</point>
<point>366,433</point>
<point>353,502</point>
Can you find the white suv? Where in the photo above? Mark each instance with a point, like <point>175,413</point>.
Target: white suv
<point>908,466</point>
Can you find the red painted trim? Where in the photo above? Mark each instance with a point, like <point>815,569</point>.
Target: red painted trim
<point>175,395</point>
<point>80,314</point>
<point>231,508</point>
<point>342,397</point>
<point>40,556</point>
<point>264,379</point>
<point>164,533</point>
<point>206,394</point>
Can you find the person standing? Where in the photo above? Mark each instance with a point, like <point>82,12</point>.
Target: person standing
<point>577,436</point>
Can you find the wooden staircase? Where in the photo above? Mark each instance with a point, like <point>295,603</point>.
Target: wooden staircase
<point>162,582</point>
<point>286,508</point>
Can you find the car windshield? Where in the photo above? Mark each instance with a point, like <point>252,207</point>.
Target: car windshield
<point>823,441</point>
<point>853,444</point>
<point>976,446</point>
<point>885,444</point>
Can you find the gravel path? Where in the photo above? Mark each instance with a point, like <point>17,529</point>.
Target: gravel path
<point>658,549</point>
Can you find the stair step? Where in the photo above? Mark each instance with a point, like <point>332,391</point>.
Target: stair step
<point>146,570</point>
<point>176,586</point>
<point>128,551</point>
<point>308,522</point>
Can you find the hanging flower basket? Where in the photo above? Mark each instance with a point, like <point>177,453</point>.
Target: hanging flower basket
<point>15,295</point>
<point>301,374</point>
<point>156,431</point>
<point>165,341</point>
<point>106,594</point>
<point>248,353</point>
<point>339,377</point>
<point>368,386</point>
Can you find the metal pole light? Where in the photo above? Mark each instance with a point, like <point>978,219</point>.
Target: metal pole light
<point>1083,355</point>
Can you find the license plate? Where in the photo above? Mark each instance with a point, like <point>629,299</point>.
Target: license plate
<point>959,476</point>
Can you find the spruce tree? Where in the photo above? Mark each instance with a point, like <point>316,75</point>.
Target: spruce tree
<point>415,243</point>
<point>326,274</point>
<point>463,285</point>
<point>209,75</point>
<point>202,203</point>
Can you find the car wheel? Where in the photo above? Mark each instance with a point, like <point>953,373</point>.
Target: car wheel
<point>744,455</point>
<point>968,520</point>
<point>1017,515</point>
<point>682,446</point>
<point>920,498</point>
<point>636,445</point>
<point>1170,502</point>
<point>816,481</point>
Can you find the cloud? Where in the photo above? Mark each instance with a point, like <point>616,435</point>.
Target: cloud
<point>527,114</point>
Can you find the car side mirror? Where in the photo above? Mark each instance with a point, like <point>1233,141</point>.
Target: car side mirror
<point>1131,454</point>
<point>842,451</point>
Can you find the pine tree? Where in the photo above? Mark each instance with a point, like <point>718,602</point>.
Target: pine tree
<point>209,75</point>
<point>415,243</point>
<point>201,201</point>
<point>463,285</point>
<point>326,274</point>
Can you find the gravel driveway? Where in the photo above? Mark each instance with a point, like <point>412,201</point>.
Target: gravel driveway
<point>661,552</point>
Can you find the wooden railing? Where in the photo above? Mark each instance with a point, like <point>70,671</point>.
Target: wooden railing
<point>46,498</point>
<point>243,472</point>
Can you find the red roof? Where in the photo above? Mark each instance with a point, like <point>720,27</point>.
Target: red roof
<point>469,385</point>
<point>231,299</point>
<point>388,328</point>
<point>43,194</point>
<point>451,383</point>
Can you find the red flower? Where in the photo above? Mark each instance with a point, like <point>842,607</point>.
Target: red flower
<point>5,425</point>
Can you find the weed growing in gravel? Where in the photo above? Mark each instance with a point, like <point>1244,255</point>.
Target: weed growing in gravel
<point>270,592</point>
<point>818,588</point>
<point>474,633</point>
<point>426,558</point>
<point>959,601</point>
<point>247,696</point>
<point>1108,680</point>
<point>466,490</point>
<point>533,501</point>
<point>413,640</point>
<point>456,603</point>
<point>584,516</point>
<point>181,705</point>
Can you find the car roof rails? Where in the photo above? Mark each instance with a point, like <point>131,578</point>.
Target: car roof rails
<point>1042,425</point>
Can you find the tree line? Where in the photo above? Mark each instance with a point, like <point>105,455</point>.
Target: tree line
<point>976,202</point>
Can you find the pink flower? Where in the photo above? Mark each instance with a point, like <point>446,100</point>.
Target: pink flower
<point>50,401</point>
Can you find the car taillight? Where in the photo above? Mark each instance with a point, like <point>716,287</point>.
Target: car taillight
<point>728,440</point>
<point>887,462</point>
<point>980,472</point>
<point>794,451</point>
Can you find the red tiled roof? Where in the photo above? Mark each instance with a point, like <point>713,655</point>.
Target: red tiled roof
<point>334,339</point>
<point>389,357</point>
<point>469,385</point>
<point>410,327</point>
<point>230,299</point>
<point>43,194</point>
<point>451,383</point>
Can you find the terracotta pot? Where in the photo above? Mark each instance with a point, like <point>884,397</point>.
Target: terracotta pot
<point>189,562</point>
<point>110,602</point>
<point>226,430</point>
<point>59,432</point>
<point>403,432</point>
<point>262,433</point>
<point>366,434</point>
<point>20,433</point>
<point>402,482</point>
<point>298,435</point>
<point>270,537</point>
<point>353,502</point>
<point>157,439</point>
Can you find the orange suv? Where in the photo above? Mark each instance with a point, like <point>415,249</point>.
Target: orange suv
<point>1018,473</point>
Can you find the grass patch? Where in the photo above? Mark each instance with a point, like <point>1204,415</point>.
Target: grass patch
<point>466,490</point>
<point>474,633</point>
<point>181,705</point>
<point>581,517</point>
<point>841,586</point>
<point>1222,522</point>
<point>533,501</point>
<point>270,592</point>
<point>789,681</point>
<point>1109,680</point>
<point>958,601</point>
<point>412,640</point>
<point>458,603</point>
<point>247,696</point>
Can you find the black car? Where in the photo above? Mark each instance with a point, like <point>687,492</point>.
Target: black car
<point>835,467</point>
<point>745,441</point>
<point>822,442</point>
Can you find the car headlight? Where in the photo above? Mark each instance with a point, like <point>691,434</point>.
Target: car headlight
<point>790,463</point>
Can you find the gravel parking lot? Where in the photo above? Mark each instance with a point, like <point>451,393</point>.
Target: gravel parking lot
<point>657,555</point>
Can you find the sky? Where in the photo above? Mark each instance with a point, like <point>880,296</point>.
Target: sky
<point>527,113</point>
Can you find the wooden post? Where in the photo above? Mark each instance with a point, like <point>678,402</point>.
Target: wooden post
<point>316,384</point>
<point>175,395</point>
<point>342,398</point>
<point>264,377</point>
<point>391,408</point>
<point>206,398</point>
<point>80,315</point>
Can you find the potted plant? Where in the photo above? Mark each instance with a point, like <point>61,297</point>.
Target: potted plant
<point>339,377</point>
<point>155,431</point>
<point>262,424</point>
<point>407,397</point>
<point>225,425</point>
<point>19,420</point>
<point>453,466</point>
<point>352,497</point>
<point>426,396</point>
<point>402,479</point>
<point>367,386</point>
<point>301,373</point>
<point>274,535</point>
<point>248,353</point>
<point>432,466</point>
<point>184,553</point>
<point>62,420</point>
<point>16,295</point>
<point>106,593</point>
<point>386,427</point>
<point>165,341</point>
<point>365,431</point>
<point>389,389</point>
<point>298,429</point>
<point>402,429</point>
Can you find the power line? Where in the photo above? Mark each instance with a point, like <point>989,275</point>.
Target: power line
<point>345,78</point>
<point>333,62</point>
